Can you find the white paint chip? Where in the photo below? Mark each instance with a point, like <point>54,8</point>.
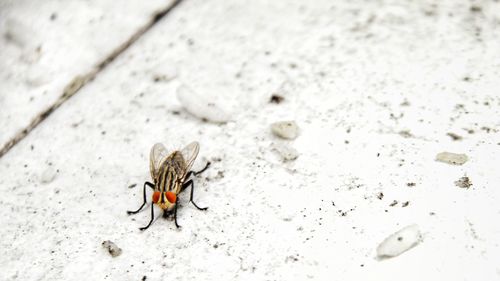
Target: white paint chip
<point>399,242</point>
<point>201,106</point>
<point>48,175</point>
<point>285,129</point>
<point>287,153</point>
<point>452,158</point>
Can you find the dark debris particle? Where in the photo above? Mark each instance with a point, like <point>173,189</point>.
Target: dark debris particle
<point>132,185</point>
<point>53,16</point>
<point>486,129</point>
<point>380,195</point>
<point>291,258</point>
<point>475,9</point>
<point>276,99</point>
<point>405,103</point>
<point>405,134</point>
<point>405,204</point>
<point>161,78</point>
<point>394,203</point>
<point>144,278</point>
<point>463,182</point>
<point>454,136</point>
<point>411,184</point>
<point>216,159</point>
<point>400,238</point>
<point>112,248</point>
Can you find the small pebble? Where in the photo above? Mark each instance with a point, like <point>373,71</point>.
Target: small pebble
<point>48,175</point>
<point>113,250</point>
<point>285,129</point>
<point>452,158</point>
<point>399,242</point>
<point>200,106</point>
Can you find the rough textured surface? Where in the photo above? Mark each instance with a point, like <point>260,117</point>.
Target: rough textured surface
<point>45,44</point>
<point>202,105</point>
<point>375,86</point>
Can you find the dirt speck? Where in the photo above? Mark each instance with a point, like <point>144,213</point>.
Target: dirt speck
<point>112,248</point>
<point>476,9</point>
<point>454,136</point>
<point>163,78</point>
<point>132,185</point>
<point>411,184</point>
<point>276,99</point>
<point>406,134</point>
<point>405,204</point>
<point>463,182</point>
<point>405,103</point>
<point>291,258</point>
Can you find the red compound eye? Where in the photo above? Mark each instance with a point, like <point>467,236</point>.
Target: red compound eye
<point>156,197</point>
<point>171,197</point>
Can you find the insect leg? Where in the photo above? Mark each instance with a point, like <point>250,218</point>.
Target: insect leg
<point>202,170</point>
<point>144,193</point>
<point>199,172</point>
<point>184,186</point>
<point>152,218</point>
<point>175,215</point>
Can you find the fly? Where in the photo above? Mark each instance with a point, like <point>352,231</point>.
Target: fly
<point>170,174</point>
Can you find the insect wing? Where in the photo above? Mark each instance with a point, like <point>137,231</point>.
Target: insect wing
<point>156,157</point>
<point>189,154</point>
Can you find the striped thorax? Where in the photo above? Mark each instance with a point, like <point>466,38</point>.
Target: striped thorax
<point>169,171</point>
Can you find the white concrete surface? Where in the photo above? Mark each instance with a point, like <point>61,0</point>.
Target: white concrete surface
<point>374,87</point>
<point>45,44</point>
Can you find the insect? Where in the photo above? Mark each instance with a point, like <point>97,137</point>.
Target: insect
<point>170,174</point>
